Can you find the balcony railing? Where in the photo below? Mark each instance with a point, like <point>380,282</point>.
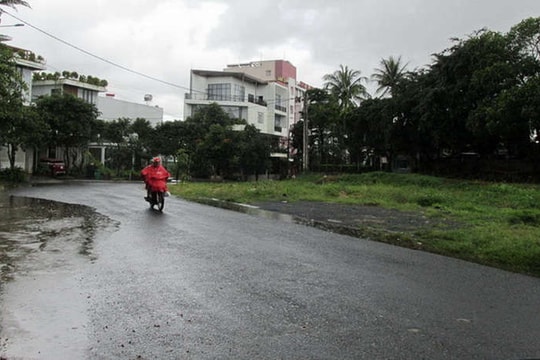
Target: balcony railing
<point>240,99</point>
<point>281,108</point>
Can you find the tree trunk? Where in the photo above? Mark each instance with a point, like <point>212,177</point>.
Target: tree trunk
<point>12,151</point>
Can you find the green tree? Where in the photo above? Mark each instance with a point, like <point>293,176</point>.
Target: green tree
<point>371,131</point>
<point>12,88</point>
<point>119,133</point>
<point>525,37</point>
<point>219,147</point>
<point>253,152</point>
<point>26,131</point>
<point>325,126</point>
<point>346,85</point>
<point>389,75</point>
<point>144,134</point>
<point>347,89</point>
<point>207,122</point>
<point>71,122</point>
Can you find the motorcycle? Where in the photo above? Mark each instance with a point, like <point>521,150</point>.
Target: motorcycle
<point>157,192</point>
<point>156,198</point>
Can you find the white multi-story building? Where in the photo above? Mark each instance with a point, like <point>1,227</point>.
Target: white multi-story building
<point>111,108</point>
<point>265,93</point>
<point>108,107</point>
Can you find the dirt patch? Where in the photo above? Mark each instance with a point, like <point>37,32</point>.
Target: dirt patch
<point>374,222</point>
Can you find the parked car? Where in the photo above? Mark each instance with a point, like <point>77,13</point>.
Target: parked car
<point>55,166</point>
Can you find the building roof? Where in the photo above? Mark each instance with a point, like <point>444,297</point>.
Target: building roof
<point>28,64</point>
<point>71,82</point>
<point>238,75</point>
<point>26,59</point>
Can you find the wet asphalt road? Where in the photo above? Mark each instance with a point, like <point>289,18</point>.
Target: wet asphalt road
<point>199,282</point>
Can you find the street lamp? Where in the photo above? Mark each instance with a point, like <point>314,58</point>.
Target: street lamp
<point>4,38</point>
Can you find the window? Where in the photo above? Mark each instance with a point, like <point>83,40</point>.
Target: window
<point>88,96</point>
<point>219,92</point>
<point>278,123</point>
<point>226,92</point>
<point>239,92</point>
<point>260,118</point>
<point>234,112</point>
<point>268,73</point>
<point>278,105</point>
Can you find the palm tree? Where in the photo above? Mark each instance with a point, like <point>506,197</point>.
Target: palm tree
<point>13,3</point>
<point>389,75</point>
<point>346,85</point>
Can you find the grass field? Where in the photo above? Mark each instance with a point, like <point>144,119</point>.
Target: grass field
<point>499,223</point>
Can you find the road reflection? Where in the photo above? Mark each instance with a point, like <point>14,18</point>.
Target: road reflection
<point>43,235</point>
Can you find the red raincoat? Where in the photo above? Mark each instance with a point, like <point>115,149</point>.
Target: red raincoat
<point>155,177</point>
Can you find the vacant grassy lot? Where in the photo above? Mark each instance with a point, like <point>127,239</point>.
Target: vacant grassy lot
<point>497,224</point>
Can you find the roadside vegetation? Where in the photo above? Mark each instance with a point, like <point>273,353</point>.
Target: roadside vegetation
<point>496,224</point>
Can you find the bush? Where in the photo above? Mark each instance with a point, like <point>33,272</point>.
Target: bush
<point>16,175</point>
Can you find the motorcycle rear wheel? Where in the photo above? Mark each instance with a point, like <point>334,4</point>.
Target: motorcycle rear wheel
<point>157,199</point>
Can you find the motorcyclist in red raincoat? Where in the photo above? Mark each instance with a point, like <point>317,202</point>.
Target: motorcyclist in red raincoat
<point>155,177</point>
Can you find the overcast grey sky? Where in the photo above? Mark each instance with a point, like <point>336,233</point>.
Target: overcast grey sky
<point>164,39</point>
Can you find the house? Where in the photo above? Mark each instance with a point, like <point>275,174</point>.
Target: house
<point>264,93</point>
<point>27,63</point>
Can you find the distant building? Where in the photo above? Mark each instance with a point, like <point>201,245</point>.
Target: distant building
<point>114,109</point>
<point>82,90</point>
<point>264,93</point>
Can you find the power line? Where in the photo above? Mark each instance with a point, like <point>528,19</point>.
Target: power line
<point>95,56</point>
<point>269,101</point>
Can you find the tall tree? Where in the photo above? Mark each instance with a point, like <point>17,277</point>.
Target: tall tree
<point>71,120</point>
<point>325,125</point>
<point>11,102</point>
<point>346,85</point>
<point>526,37</point>
<point>26,131</point>
<point>254,151</point>
<point>389,75</point>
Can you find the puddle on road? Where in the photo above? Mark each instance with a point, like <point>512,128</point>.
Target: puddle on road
<point>42,235</point>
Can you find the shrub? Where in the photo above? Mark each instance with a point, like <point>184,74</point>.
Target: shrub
<point>16,175</point>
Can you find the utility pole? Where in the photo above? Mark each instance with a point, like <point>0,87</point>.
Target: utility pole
<point>305,147</point>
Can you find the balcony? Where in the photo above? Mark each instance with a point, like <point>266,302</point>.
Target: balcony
<point>238,99</point>
<point>281,108</point>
